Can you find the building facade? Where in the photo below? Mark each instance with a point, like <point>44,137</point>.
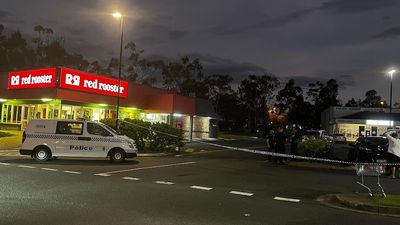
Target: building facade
<point>354,122</point>
<point>65,93</point>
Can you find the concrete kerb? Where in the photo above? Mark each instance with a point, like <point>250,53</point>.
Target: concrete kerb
<point>360,203</point>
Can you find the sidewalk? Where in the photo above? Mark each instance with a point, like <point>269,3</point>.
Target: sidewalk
<point>360,203</point>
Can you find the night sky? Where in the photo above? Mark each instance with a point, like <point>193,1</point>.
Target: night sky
<point>353,41</point>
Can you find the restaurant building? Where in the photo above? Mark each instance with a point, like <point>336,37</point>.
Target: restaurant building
<point>63,93</point>
<point>354,122</point>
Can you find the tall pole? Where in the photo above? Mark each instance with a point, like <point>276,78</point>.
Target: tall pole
<point>119,70</point>
<point>390,107</point>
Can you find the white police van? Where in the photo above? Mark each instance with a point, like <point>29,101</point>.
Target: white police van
<point>48,139</point>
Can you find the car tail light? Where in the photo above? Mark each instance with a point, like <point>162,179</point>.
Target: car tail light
<point>23,137</point>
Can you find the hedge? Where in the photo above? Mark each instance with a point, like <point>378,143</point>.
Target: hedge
<point>149,136</point>
<point>318,147</point>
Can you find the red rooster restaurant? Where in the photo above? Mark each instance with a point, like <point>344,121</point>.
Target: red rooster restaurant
<point>63,93</point>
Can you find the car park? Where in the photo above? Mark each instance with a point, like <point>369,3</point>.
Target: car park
<point>368,149</point>
<point>48,139</point>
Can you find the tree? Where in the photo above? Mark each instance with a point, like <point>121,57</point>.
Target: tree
<point>322,97</point>
<point>185,77</point>
<point>141,69</point>
<point>371,99</point>
<point>288,96</point>
<point>353,103</point>
<point>255,92</point>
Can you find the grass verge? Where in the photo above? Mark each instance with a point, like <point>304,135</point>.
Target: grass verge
<point>390,200</point>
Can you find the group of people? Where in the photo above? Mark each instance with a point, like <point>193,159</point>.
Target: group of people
<point>276,141</point>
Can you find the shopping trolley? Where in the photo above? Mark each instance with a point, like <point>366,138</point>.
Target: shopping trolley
<point>372,170</point>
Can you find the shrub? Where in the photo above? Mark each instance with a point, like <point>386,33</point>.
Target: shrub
<point>317,147</point>
<point>148,136</point>
<point>166,138</point>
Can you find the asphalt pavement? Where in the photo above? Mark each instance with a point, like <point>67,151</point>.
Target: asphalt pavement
<point>223,187</point>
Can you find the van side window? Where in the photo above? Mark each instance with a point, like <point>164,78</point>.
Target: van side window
<point>72,128</point>
<point>96,129</point>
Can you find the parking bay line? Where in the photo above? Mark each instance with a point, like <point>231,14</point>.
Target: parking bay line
<point>287,199</point>
<point>49,169</point>
<point>25,166</point>
<point>5,164</point>
<point>201,188</point>
<point>149,167</point>
<point>131,178</point>
<point>71,172</point>
<point>241,193</point>
<point>164,182</point>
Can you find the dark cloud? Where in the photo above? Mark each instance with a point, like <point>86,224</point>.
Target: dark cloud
<point>4,14</point>
<point>344,81</point>
<point>388,33</point>
<point>294,16</point>
<point>177,34</point>
<point>356,6</point>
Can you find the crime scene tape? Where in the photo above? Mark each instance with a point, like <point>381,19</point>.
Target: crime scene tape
<point>289,156</point>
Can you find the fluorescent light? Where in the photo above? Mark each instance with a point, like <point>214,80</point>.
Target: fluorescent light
<point>133,108</point>
<point>178,115</point>
<point>103,105</point>
<point>380,122</point>
<point>3,100</point>
<point>46,99</point>
<point>117,15</point>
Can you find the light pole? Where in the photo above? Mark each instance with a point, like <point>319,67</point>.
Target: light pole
<point>391,72</point>
<point>119,16</point>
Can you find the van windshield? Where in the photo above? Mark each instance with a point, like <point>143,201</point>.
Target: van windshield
<point>111,129</point>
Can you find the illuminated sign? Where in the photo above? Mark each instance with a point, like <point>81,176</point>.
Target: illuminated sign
<point>380,122</point>
<point>87,82</point>
<point>41,78</point>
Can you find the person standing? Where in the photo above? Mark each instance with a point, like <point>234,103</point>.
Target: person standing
<point>271,142</point>
<point>294,141</point>
<point>393,153</point>
<point>280,140</point>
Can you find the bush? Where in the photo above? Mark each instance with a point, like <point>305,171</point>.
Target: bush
<point>148,136</point>
<point>318,147</point>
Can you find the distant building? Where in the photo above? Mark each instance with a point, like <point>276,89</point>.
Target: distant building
<point>354,122</point>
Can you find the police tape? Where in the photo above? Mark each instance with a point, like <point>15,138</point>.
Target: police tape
<point>274,154</point>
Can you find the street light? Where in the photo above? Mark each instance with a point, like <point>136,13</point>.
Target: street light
<point>391,72</point>
<point>119,16</point>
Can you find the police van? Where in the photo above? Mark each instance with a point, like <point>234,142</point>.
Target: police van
<point>48,139</point>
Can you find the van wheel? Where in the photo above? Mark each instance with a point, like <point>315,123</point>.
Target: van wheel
<point>42,154</point>
<point>117,156</point>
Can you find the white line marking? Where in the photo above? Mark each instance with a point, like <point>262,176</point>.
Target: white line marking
<point>241,193</point>
<point>131,178</point>
<point>150,167</point>
<point>103,174</point>
<point>201,188</point>
<point>24,166</point>
<point>164,182</point>
<point>287,199</point>
<point>72,172</point>
<point>5,164</point>
<point>49,169</point>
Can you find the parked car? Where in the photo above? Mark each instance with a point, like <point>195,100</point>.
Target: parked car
<point>368,149</point>
<point>339,138</point>
<point>317,134</point>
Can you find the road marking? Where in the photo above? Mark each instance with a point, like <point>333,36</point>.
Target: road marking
<point>264,146</point>
<point>287,199</point>
<point>103,174</point>
<point>164,182</point>
<point>131,178</point>
<point>49,169</point>
<point>24,166</point>
<point>72,172</point>
<point>150,167</point>
<point>248,194</point>
<point>201,188</point>
<point>5,164</point>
